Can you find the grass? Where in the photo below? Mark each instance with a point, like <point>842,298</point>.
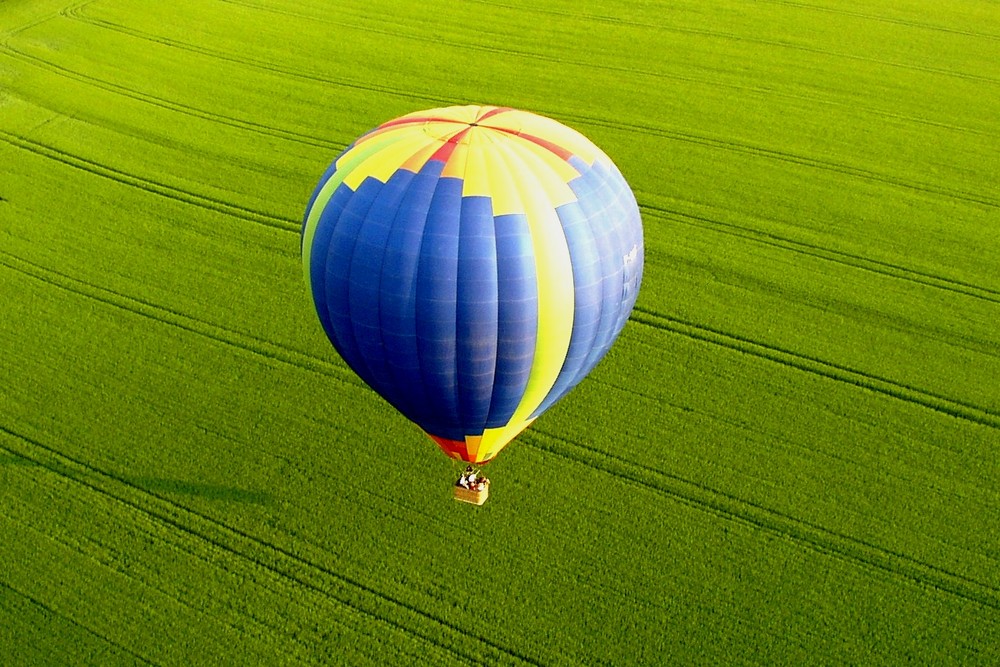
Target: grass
<point>789,457</point>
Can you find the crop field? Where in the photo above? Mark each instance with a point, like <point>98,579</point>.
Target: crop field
<point>791,456</point>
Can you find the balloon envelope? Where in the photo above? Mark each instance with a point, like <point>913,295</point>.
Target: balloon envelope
<point>472,264</point>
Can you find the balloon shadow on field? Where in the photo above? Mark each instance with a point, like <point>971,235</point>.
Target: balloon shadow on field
<point>157,485</point>
<point>160,485</point>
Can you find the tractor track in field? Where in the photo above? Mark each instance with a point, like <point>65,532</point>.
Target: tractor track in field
<point>153,585</point>
<point>675,135</point>
<point>289,225</point>
<point>14,30</point>
<point>882,19</point>
<point>765,42</point>
<point>528,55</point>
<point>219,334</point>
<point>88,476</point>
<point>847,259</point>
<point>149,185</point>
<point>40,604</point>
<point>657,26</point>
<point>502,50</point>
<point>941,404</point>
<point>170,105</point>
<point>949,406</point>
<point>811,535</point>
<point>792,158</point>
<point>75,14</point>
<point>759,90</point>
<point>280,561</point>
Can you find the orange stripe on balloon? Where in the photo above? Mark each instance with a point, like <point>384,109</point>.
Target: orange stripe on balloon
<point>493,112</point>
<point>468,450</point>
<point>444,152</point>
<point>547,145</point>
<point>453,448</point>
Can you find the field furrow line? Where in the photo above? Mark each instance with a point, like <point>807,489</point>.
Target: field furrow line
<point>441,39</point>
<point>883,19</point>
<point>627,388</point>
<point>809,534</point>
<point>148,185</point>
<point>760,90</point>
<point>154,584</point>
<point>503,50</point>
<point>784,156</point>
<point>754,40</point>
<point>949,406</point>
<point>255,63</point>
<point>281,561</point>
<point>170,105</point>
<point>829,254</point>
<point>39,603</point>
<point>228,337</point>
<point>643,129</point>
<point>90,477</point>
<point>14,30</point>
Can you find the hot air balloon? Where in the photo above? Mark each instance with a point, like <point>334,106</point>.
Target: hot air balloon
<point>472,264</point>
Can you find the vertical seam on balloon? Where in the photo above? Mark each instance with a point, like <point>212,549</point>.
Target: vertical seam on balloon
<point>628,205</point>
<point>496,438</point>
<point>496,279</point>
<point>382,268</point>
<point>501,184</point>
<point>487,140</point>
<point>347,303</point>
<point>601,308</point>
<point>537,389</point>
<point>420,266</point>
<point>324,252</point>
<point>531,167</point>
<point>501,435</point>
<point>378,287</point>
<point>458,262</point>
<point>570,381</point>
<point>617,241</point>
<point>602,305</point>
<point>416,278</point>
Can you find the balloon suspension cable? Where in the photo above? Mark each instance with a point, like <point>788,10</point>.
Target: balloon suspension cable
<point>463,468</point>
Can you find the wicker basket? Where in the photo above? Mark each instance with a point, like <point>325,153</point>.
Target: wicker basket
<point>470,496</point>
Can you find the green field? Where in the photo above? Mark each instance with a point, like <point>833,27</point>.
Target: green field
<point>791,456</point>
